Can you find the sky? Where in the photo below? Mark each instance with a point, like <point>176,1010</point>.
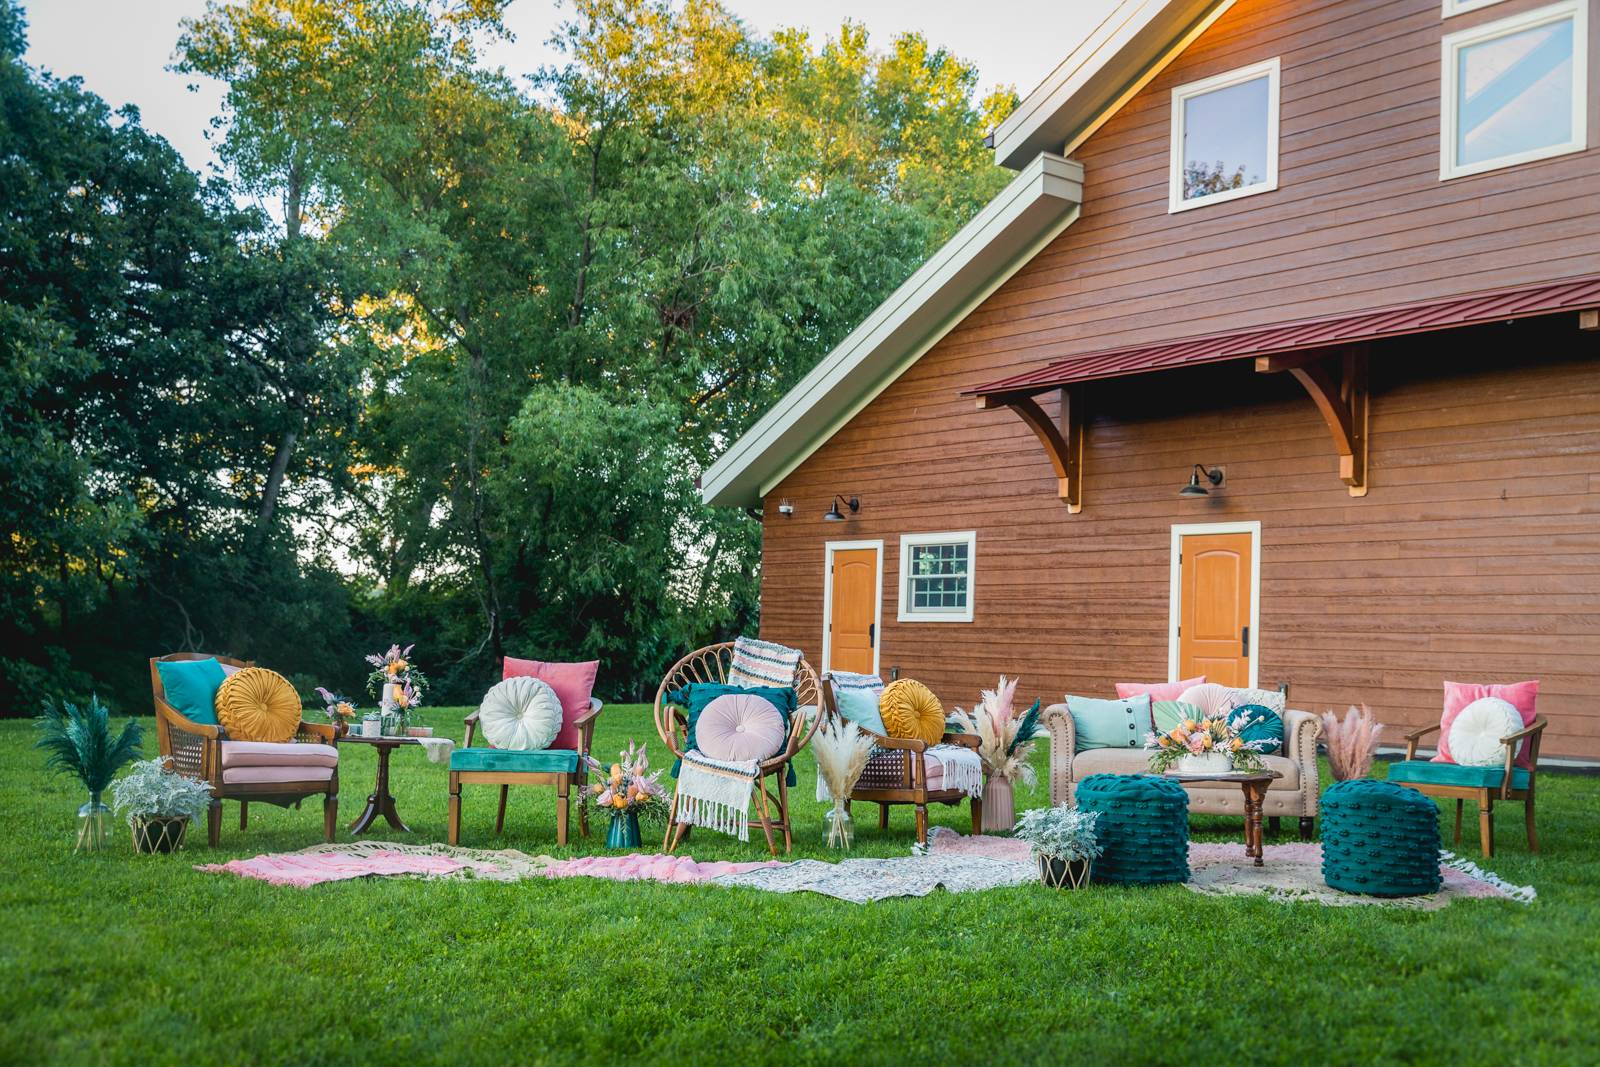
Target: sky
<point>121,48</point>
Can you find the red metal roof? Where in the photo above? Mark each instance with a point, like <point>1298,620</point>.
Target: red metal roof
<point>1496,306</point>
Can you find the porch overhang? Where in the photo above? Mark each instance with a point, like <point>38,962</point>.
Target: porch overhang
<point>1327,355</point>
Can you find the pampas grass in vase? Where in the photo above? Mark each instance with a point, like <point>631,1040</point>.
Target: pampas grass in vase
<point>1352,743</point>
<point>841,749</point>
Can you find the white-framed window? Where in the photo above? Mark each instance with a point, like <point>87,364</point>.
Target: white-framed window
<point>1461,7</point>
<point>1224,137</point>
<point>1515,90</point>
<point>936,576</point>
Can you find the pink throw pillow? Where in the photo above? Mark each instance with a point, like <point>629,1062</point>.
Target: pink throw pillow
<point>1157,690</point>
<point>739,726</point>
<point>573,683</point>
<point>1457,695</point>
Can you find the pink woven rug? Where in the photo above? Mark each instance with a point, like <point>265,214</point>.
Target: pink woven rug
<point>653,868</point>
<point>302,869</point>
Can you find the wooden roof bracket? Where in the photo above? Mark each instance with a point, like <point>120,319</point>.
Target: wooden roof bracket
<point>1062,440</point>
<point>1337,384</point>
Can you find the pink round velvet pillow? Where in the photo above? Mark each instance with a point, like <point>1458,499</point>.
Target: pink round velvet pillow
<point>739,726</point>
<point>1212,699</point>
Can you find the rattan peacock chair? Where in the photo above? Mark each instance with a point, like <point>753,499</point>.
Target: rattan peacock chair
<point>710,664</point>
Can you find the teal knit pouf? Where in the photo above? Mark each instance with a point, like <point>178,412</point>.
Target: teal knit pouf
<point>1380,839</point>
<point>1143,828</point>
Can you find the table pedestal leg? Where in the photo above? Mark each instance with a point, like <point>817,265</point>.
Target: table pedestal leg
<point>1254,794</point>
<point>381,801</point>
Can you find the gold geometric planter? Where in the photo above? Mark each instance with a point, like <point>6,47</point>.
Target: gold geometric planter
<point>156,834</point>
<point>1063,874</point>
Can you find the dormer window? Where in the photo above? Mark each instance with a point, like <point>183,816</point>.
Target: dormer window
<point>1224,137</point>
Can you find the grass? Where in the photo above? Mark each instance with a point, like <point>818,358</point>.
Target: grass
<point>118,958</point>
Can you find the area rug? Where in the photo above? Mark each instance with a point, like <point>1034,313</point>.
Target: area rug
<point>1293,872</point>
<point>382,859</point>
<point>642,867</point>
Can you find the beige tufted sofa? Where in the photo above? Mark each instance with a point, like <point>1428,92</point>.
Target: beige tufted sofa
<point>1295,794</point>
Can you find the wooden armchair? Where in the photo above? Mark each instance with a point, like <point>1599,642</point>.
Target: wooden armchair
<point>710,664</point>
<point>490,766</point>
<point>1484,785</point>
<point>196,750</point>
<point>898,773</point>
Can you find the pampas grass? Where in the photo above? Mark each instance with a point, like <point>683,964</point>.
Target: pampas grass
<point>841,749</point>
<point>1351,743</point>
<point>1004,740</point>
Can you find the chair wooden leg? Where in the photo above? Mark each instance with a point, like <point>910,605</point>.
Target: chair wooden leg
<point>214,824</point>
<point>563,811</point>
<point>883,816</point>
<point>1307,827</point>
<point>1486,824</point>
<point>500,814</point>
<point>244,814</point>
<point>330,814</point>
<point>583,809</point>
<point>764,812</point>
<point>678,831</point>
<point>1275,825</point>
<point>977,816</point>
<point>922,824</point>
<point>453,830</point>
<point>672,823</point>
<point>1527,817</point>
<point>1460,804</point>
<point>783,811</point>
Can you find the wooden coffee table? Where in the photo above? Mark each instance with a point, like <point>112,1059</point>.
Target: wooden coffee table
<point>381,801</point>
<point>1255,785</point>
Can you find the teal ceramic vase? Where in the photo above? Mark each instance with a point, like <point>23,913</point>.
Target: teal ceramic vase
<point>624,830</point>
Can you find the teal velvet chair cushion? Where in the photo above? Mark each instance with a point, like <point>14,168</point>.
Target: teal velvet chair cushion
<point>1422,772</point>
<point>542,761</point>
<point>1264,725</point>
<point>1143,828</point>
<point>1380,839</point>
<point>1110,723</point>
<point>191,686</point>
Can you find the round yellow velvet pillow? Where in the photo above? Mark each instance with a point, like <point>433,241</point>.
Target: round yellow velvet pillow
<point>910,710</point>
<point>256,704</point>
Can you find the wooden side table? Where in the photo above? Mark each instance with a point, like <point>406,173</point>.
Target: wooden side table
<point>1254,785</point>
<point>381,801</point>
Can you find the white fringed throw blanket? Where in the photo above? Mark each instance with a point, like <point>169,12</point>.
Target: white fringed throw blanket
<point>716,793</point>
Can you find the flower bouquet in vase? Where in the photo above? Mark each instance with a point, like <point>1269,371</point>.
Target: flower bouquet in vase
<point>628,790</point>
<point>397,685</point>
<point>1203,744</point>
<point>1005,741</point>
<point>340,711</point>
<point>842,749</point>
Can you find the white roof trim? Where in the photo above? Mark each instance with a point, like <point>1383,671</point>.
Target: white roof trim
<point>1127,48</point>
<point>1038,204</point>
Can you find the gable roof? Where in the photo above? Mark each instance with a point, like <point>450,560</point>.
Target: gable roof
<point>1118,57</point>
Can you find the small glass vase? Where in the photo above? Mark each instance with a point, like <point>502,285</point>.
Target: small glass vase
<point>394,723</point>
<point>624,830</point>
<point>840,826</point>
<point>94,825</point>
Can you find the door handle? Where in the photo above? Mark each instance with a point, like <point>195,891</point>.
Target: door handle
<point>872,635</point>
<point>1244,642</point>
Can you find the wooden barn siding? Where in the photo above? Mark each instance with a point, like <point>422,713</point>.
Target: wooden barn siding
<point>1433,575</point>
<point>1476,555</point>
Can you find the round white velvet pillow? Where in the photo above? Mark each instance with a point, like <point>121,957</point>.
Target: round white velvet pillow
<point>739,726</point>
<point>523,714</point>
<point>1475,735</point>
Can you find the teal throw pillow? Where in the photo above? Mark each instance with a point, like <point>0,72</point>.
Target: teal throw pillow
<point>1264,725</point>
<point>1110,723</point>
<point>191,686</point>
<point>694,697</point>
<point>860,706</point>
<point>1167,714</point>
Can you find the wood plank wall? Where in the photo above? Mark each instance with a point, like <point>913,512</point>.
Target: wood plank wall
<point>1476,556</point>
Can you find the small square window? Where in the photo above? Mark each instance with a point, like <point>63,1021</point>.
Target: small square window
<point>1224,137</point>
<point>1515,90</point>
<point>936,577</point>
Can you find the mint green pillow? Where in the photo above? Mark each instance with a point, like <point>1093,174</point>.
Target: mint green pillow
<point>191,686</point>
<point>860,706</point>
<point>1167,714</point>
<point>1110,723</point>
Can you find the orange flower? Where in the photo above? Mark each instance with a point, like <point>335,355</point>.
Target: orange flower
<point>619,801</point>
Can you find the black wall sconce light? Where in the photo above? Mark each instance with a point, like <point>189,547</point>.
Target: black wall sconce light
<point>1194,488</point>
<point>835,515</point>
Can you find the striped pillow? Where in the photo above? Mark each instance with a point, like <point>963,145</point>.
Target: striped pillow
<point>843,680</point>
<point>762,663</point>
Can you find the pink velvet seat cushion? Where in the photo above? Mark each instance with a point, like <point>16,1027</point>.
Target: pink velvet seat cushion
<point>573,683</point>
<point>1157,690</point>
<point>277,754</point>
<point>1457,695</point>
<point>739,726</point>
<point>305,772</point>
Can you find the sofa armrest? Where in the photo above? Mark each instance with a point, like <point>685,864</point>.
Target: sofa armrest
<point>1301,732</point>
<point>1063,741</point>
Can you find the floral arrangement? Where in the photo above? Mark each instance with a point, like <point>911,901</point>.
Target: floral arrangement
<point>394,681</point>
<point>150,791</point>
<point>842,749</point>
<point>1005,739</point>
<point>1200,736</point>
<point>629,785</point>
<point>1351,743</point>
<point>339,710</point>
<point>1060,833</point>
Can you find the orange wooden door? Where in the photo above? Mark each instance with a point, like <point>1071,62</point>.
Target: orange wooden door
<point>1214,608</point>
<point>853,625</point>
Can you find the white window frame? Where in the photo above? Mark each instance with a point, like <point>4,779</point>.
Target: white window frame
<point>1175,590</point>
<point>1461,7</point>
<point>1578,12</point>
<point>1272,68</point>
<point>827,600</point>
<point>910,541</point>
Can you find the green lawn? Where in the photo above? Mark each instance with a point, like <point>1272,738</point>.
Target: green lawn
<point>118,958</point>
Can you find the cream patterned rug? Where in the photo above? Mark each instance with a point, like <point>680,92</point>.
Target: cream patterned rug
<point>1292,873</point>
